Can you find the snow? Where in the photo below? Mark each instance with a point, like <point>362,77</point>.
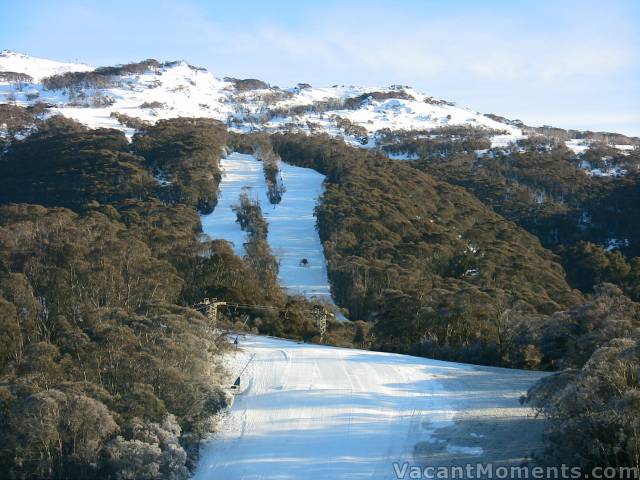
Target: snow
<point>181,90</point>
<point>625,148</point>
<point>608,172</point>
<point>316,412</point>
<point>162,179</point>
<point>37,68</point>
<point>616,244</point>
<point>239,173</point>
<point>404,114</point>
<point>402,156</point>
<point>465,450</point>
<point>605,171</point>
<point>505,141</point>
<point>307,96</point>
<point>419,113</point>
<point>292,224</point>
<point>578,146</point>
<point>185,91</point>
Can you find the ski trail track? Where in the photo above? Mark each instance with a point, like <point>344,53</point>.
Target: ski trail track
<point>317,412</point>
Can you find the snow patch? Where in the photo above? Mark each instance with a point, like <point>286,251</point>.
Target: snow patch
<point>464,450</point>
<point>625,148</point>
<point>616,244</point>
<point>577,145</point>
<point>402,156</point>
<point>162,179</point>
<point>604,171</point>
<point>37,68</point>
<point>507,140</point>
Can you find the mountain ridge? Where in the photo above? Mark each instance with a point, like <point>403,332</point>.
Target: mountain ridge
<point>150,90</point>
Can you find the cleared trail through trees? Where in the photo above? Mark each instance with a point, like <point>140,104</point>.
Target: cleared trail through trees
<point>317,412</point>
<point>292,225</point>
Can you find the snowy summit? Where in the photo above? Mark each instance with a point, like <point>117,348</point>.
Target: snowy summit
<point>151,91</point>
<point>37,68</point>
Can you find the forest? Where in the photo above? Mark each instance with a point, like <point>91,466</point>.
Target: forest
<point>589,221</point>
<point>399,241</point>
<point>107,370</point>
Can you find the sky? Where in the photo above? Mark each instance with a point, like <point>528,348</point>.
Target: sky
<point>567,63</point>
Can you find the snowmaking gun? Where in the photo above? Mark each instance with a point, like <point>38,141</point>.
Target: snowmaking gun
<point>235,388</point>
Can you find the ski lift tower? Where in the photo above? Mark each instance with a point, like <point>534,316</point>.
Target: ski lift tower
<point>320,314</point>
<point>211,308</point>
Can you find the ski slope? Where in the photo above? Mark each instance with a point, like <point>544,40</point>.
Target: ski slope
<point>315,412</point>
<point>292,224</point>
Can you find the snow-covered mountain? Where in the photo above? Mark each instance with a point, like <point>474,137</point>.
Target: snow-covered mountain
<point>148,91</point>
<point>36,68</point>
<point>178,89</point>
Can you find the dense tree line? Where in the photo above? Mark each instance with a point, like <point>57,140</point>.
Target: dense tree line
<point>435,143</point>
<point>593,412</point>
<point>258,252</point>
<point>96,351</point>
<point>104,374</point>
<point>424,259</point>
<point>187,152</point>
<point>65,164</point>
<point>591,406</point>
<point>129,121</point>
<point>247,84</point>
<point>541,186</point>
<point>588,265</point>
<point>351,129</point>
<point>17,121</point>
<point>101,77</point>
<point>15,77</point>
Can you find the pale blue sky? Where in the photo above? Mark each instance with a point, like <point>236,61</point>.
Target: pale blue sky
<point>567,63</point>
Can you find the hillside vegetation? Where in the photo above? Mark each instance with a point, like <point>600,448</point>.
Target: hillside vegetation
<point>107,372</point>
<point>376,214</point>
<point>590,221</point>
<point>429,262</point>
